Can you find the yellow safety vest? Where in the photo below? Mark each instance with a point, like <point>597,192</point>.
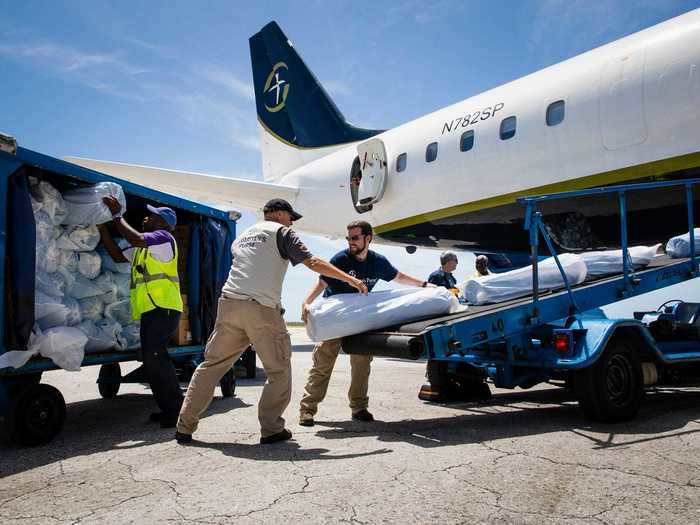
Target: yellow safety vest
<point>154,283</point>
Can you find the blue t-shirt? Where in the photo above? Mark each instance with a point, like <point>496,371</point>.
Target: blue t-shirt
<point>369,271</point>
<point>442,278</point>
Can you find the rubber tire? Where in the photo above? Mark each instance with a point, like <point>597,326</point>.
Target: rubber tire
<point>37,416</point>
<point>228,384</point>
<point>611,390</point>
<point>250,363</point>
<point>109,390</point>
<point>461,387</point>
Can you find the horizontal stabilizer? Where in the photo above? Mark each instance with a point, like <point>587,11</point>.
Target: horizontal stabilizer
<point>220,192</point>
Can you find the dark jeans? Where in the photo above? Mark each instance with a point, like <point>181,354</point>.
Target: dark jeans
<point>157,327</point>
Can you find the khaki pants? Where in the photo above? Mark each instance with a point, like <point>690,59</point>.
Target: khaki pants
<point>324,356</point>
<point>238,324</point>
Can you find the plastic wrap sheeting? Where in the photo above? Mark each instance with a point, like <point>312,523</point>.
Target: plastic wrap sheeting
<point>123,284</point>
<point>47,256</point>
<point>106,283</point>
<point>65,346</point>
<point>102,335</point>
<point>68,259</point>
<point>85,205</point>
<point>82,287</point>
<point>49,311</point>
<point>610,261</point>
<point>679,246</point>
<point>91,308</point>
<point>131,334</point>
<point>498,287</point>
<point>347,314</point>
<point>50,283</point>
<point>79,238</point>
<point>109,264</point>
<point>74,316</point>
<point>89,264</point>
<point>52,202</point>
<point>119,311</point>
<point>44,228</point>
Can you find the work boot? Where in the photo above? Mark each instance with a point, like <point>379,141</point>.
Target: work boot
<point>363,415</point>
<point>274,438</point>
<point>182,438</point>
<point>306,420</point>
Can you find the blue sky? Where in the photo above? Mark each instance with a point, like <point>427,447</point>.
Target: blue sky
<point>169,83</point>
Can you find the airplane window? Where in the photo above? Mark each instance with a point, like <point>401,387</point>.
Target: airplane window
<point>555,113</point>
<point>401,162</point>
<point>431,152</point>
<point>467,141</point>
<point>508,128</point>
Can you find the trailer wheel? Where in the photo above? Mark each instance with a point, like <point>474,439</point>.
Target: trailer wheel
<point>247,362</point>
<point>108,381</point>
<point>228,384</point>
<point>611,390</point>
<point>464,384</point>
<point>37,415</point>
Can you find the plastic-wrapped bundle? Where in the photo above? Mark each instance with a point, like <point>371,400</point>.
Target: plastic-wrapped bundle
<point>68,259</point>
<point>47,256</point>
<point>82,287</point>
<point>89,264</point>
<point>103,335</point>
<point>51,201</point>
<point>123,284</point>
<point>132,335</point>
<point>346,314</point>
<point>44,228</point>
<point>109,264</point>
<point>36,205</point>
<point>65,346</point>
<point>85,205</point>
<point>74,317</point>
<point>610,261</point>
<point>49,311</point>
<point>119,311</point>
<point>109,288</point>
<point>50,283</point>
<point>91,308</point>
<point>79,238</point>
<point>679,246</point>
<point>498,287</point>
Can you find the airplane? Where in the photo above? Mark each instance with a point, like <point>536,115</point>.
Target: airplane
<point>628,111</point>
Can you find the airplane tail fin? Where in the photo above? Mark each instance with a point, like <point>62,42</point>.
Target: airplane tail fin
<point>299,120</point>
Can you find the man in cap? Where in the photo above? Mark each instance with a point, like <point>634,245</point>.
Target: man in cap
<point>155,298</point>
<point>370,266</point>
<point>443,275</point>
<point>250,312</point>
<point>481,265</point>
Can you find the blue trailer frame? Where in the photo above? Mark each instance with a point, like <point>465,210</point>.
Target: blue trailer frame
<point>12,380</point>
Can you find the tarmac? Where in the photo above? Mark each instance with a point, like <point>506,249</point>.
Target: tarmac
<point>523,457</point>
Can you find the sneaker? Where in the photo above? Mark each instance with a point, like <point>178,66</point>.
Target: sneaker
<point>363,415</point>
<point>274,438</point>
<point>306,420</point>
<point>183,438</point>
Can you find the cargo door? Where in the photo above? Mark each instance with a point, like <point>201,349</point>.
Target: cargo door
<point>373,167</point>
<point>622,118</point>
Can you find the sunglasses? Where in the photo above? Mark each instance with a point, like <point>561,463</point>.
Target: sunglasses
<point>354,237</point>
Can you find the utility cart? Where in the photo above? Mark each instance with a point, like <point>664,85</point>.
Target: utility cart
<point>33,413</point>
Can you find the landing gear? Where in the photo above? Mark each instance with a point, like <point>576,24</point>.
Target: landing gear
<point>611,390</point>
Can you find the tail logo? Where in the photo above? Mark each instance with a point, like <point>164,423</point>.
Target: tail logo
<point>276,87</point>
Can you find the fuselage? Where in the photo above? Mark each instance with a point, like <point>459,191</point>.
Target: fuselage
<point>631,111</point>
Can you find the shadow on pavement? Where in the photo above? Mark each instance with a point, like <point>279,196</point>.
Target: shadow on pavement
<point>99,425</point>
<point>662,411</point>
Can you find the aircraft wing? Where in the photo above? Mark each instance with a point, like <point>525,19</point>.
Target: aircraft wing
<point>220,192</point>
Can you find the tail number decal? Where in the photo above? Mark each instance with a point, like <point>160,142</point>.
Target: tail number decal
<point>471,119</point>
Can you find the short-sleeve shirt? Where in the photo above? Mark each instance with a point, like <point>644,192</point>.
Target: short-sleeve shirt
<point>369,271</point>
<point>160,244</point>
<point>291,247</point>
<point>442,278</point>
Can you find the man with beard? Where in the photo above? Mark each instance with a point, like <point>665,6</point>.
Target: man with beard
<point>368,266</point>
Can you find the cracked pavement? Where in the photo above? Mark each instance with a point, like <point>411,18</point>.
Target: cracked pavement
<point>524,457</point>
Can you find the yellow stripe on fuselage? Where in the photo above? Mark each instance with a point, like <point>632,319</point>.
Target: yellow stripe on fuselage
<point>641,171</point>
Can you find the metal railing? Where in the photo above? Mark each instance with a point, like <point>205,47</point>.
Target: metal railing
<point>535,225</point>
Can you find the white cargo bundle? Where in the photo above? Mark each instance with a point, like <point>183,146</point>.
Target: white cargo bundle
<point>498,287</point>
<point>347,314</point>
<point>65,346</point>
<point>610,261</point>
<point>79,238</point>
<point>85,206</point>
<point>679,246</point>
<point>89,264</point>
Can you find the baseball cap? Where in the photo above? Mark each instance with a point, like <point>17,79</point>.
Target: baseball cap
<point>281,205</point>
<point>167,214</point>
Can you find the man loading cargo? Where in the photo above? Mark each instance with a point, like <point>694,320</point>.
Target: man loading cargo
<point>250,312</point>
<point>443,275</point>
<point>155,298</point>
<point>361,262</point>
